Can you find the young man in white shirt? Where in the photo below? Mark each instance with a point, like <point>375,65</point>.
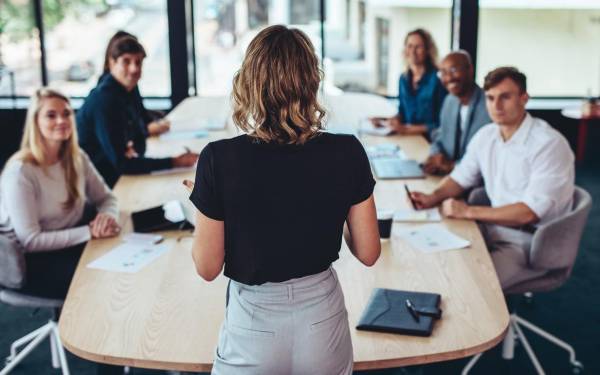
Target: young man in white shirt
<point>527,169</point>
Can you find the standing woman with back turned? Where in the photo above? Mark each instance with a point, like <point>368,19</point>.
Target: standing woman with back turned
<point>272,206</point>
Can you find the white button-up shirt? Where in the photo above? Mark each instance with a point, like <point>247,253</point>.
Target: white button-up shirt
<point>535,167</point>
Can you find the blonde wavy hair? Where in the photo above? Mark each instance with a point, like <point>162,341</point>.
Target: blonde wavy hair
<point>33,146</point>
<point>275,91</point>
<point>431,61</point>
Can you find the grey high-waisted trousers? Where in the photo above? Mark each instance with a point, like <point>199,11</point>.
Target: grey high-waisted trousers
<point>295,327</point>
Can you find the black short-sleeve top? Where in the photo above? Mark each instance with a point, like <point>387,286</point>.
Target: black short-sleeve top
<point>283,206</point>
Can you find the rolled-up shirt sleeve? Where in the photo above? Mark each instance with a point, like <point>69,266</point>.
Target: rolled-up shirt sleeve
<point>552,178</point>
<point>468,172</point>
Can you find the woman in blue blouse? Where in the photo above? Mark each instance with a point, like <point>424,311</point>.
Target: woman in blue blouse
<point>421,93</point>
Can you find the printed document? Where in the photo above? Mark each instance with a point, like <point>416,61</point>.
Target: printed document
<point>129,257</point>
<point>432,238</point>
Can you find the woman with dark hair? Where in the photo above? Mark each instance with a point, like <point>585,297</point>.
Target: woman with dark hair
<point>421,92</point>
<point>155,122</point>
<point>111,123</point>
<point>272,206</point>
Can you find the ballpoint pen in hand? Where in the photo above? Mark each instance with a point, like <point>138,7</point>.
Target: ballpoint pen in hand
<point>410,197</point>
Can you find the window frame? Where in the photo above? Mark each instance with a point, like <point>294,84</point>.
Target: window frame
<point>183,68</point>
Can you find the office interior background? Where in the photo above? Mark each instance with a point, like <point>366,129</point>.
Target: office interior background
<point>195,46</point>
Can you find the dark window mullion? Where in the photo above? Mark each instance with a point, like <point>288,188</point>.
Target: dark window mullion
<point>465,14</point>
<point>39,23</point>
<point>178,51</point>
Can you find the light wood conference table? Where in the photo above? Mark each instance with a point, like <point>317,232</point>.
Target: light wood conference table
<point>167,317</point>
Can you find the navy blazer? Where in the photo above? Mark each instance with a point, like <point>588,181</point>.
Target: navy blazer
<point>110,118</point>
<point>445,137</point>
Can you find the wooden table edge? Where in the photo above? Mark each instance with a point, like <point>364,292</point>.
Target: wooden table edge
<point>363,365</point>
<point>146,363</point>
<point>430,358</point>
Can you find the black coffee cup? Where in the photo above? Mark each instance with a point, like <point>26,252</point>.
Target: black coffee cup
<point>384,220</point>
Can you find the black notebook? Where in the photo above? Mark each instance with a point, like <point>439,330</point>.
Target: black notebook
<point>387,312</point>
<point>164,217</point>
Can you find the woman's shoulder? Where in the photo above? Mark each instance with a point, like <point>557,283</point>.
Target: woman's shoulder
<point>228,143</point>
<point>84,159</point>
<point>18,168</point>
<point>105,92</point>
<point>337,138</point>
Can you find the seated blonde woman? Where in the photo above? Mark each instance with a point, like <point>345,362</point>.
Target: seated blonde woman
<point>44,189</point>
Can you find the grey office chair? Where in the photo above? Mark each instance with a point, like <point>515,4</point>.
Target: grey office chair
<point>8,261</point>
<point>554,248</point>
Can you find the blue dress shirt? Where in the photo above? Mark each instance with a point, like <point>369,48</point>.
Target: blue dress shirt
<point>421,106</point>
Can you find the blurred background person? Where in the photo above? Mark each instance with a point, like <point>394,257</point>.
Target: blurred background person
<point>420,91</point>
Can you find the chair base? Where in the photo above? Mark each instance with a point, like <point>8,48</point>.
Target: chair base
<point>515,333</point>
<point>32,340</point>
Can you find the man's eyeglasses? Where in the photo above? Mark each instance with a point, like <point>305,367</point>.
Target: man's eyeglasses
<point>452,71</point>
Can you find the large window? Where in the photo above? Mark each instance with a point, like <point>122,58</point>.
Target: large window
<point>20,68</point>
<point>365,38</point>
<point>555,43</point>
<point>223,29</point>
<point>77,33</point>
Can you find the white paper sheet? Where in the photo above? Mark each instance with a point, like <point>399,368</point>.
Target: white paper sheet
<point>135,238</point>
<point>173,135</point>
<point>432,238</point>
<point>198,124</point>
<point>366,127</point>
<point>129,258</point>
<point>174,171</point>
<point>412,216</point>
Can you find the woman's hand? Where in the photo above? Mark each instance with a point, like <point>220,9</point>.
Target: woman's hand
<point>189,185</point>
<point>159,127</point>
<point>103,226</point>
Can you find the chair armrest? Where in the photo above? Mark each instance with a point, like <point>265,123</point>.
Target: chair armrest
<point>555,244</point>
<point>478,197</point>
<point>12,263</point>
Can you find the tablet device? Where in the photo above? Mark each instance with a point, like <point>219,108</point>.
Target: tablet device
<point>396,168</point>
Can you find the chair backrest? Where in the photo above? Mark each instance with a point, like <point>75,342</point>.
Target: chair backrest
<point>12,263</point>
<point>555,244</point>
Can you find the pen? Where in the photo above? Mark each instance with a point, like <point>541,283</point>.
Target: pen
<point>410,197</point>
<point>412,309</point>
<point>187,149</point>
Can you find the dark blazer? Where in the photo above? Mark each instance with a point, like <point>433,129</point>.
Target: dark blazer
<point>445,139</point>
<point>109,118</point>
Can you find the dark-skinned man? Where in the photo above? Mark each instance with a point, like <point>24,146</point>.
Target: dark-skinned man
<point>462,115</point>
